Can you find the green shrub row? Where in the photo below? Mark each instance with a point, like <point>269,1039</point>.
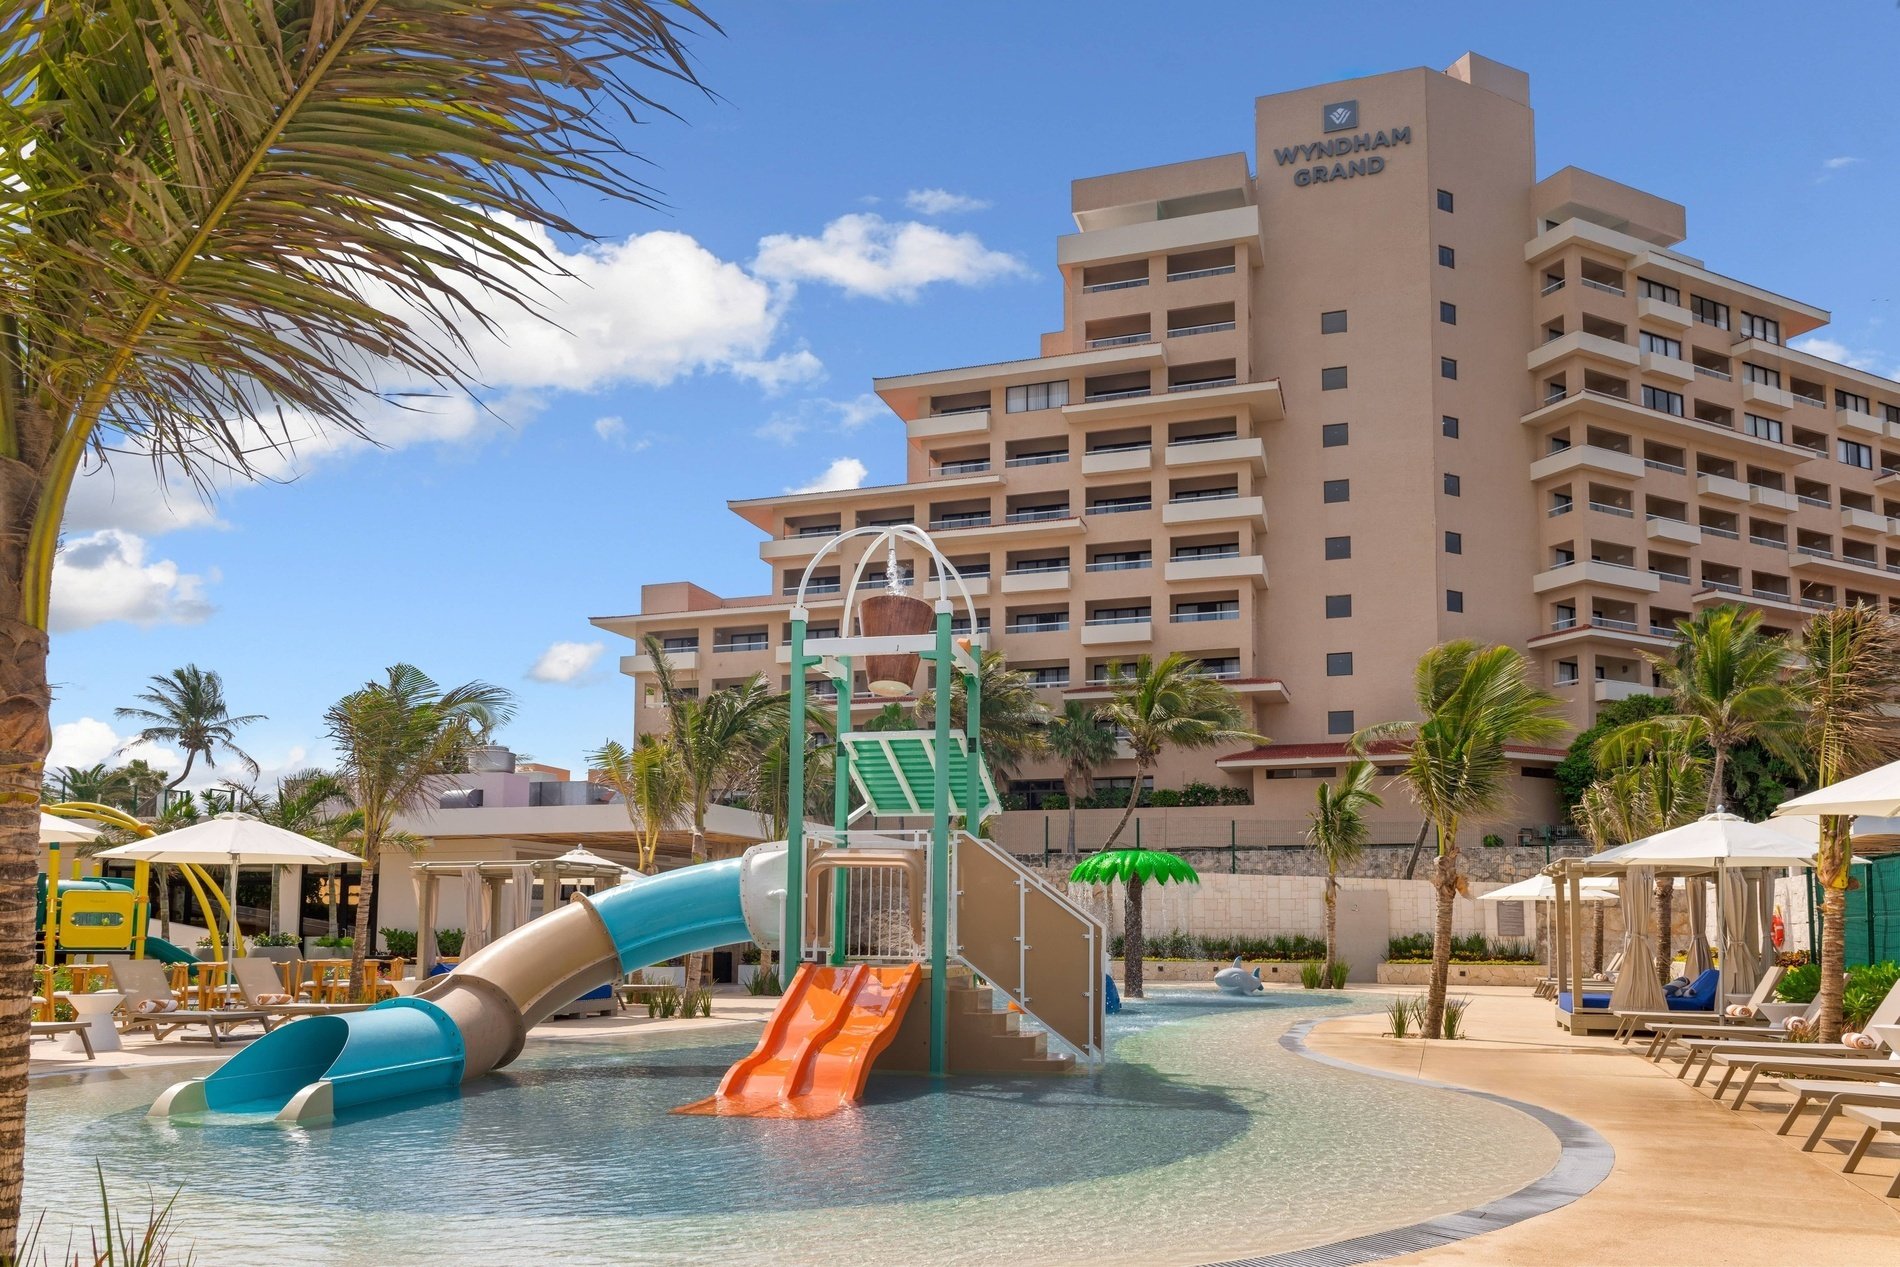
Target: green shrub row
<point>1866,986</point>
<point>1180,945</point>
<point>402,943</point>
<point>1476,948</point>
<point>1154,798</point>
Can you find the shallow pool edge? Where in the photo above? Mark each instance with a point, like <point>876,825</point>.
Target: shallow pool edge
<point>1584,1160</point>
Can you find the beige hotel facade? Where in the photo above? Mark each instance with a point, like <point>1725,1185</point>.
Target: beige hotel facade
<point>1381,387</point>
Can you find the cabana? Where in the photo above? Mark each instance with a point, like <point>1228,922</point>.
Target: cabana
<point>499,896</point>
<point>1540,889</point>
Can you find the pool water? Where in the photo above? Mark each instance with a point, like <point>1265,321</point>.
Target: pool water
<point>1202,1138</point>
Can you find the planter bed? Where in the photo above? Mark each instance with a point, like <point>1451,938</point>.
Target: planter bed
<point>1524,974</point>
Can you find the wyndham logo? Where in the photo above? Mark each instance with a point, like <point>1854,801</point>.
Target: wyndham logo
<point>1341,116</point>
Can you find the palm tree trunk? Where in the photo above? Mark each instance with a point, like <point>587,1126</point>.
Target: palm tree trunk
<point>276,885</point>
<point>1833,876</point>
<point>1445,882</point>
<point>1718,793</point>
<point>164,872</point>
<point>1332,919</point>
<point>1134,799</point>
<point>25,736</point>
<point>365,889</point>
<point>1132,938</point>
<point>1665,932</point>
<point>1069,785</point>
<point>334,888</point>
<point>696,962</point>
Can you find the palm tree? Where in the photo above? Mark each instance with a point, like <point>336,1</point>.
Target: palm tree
<point>1013,718</point>
<point>198,199</point>
<point>302,803</point>
<point>97,784</point>
<point>651,780</point>
<point>395,738</point>
<point>1077,738</point>
<point>1136,869</point>
<point>1337,833</point>
<point>1845,679</point>
<point>1474,702</point>
<point>185,708</point>
<point>1162,704</point>
<point>720,738</point>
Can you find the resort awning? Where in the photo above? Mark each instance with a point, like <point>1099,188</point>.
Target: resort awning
<point>64,831</point>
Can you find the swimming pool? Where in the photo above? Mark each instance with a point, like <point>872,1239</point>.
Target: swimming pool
<point>1201,1139</point>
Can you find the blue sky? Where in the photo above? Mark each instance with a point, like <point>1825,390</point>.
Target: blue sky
<point>726,344</point>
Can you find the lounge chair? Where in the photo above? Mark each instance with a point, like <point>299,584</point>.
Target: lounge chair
<point>1854,1066</point>
<point>1872,1120</point>
<point>263,991</point>
<point>1703,1035</point>
<point>1633,1021</point>
<point>150,1005</point>
<point>53,1029</point>
<point>1546,987</point>
<point>1734,1053</point>
<point>1833,1095</point>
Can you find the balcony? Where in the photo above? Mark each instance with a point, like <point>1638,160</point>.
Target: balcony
<point>962,423</point>
<point>1117,460</point>
<point>1036,580</point>
<point>678,661</point>
<point>1660,529</point>
<point>1038,626</point>
<point>1232,567</point>
<point>1587,457</point>
<point>1856,421</point>
<point>1577,342</point>
<point>1207,452</point>
<point>1590,406</point>
<point>1766,397</point>
<point>1236,226</point>
<point>1660,366</point>
<point>1663,313</point>
<point>1108,631</point>
<point>1592,572</point>
<point>794,545</point>
<point>1121,506</point>
<point>1121,340</point>
<point>1207,510</point>
<point>1605,689</point>
<point>1261,400</point>
<point>1865,520</point>
<point>1772,498</point>
<point>1722,488</point>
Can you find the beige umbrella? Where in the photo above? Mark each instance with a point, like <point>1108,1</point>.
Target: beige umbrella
<point>55,830</point>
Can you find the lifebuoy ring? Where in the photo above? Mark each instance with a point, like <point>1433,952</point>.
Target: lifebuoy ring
<point>1778,930</point>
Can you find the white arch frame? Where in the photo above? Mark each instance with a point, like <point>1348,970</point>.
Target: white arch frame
<point>882,535</point>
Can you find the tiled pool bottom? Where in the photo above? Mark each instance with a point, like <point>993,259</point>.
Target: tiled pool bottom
<point>1202,1139</point>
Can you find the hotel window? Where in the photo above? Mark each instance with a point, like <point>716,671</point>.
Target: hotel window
<point>1332,378</point>
<point>1453,485</point>
<point>1336,491</point>
<point>1855,453</point>
<point>1656,290</point>
<point>1332,435</point>
<point>1447,367</point>
<point>1454,543</point>
<point>1339,547</point>
<point>1850,400</point>
<point>1760,374</point>
<point>1444,200</point>
<point>1449,425</point>
<point>1339,722</point>
<point>1765,328</point>
<point>1447,258</point>
<point>1338,606</point>
<point>1032,396</point>
<point>1339,664</point>
<point>1762,428</point>
<point>1708,312</point>
<point>1892,412</point>
<point>1448,313</point>
<point>1662,401</point>
<point>1662,345</point>
<point>1454,600</point>
<point>1332,322</point>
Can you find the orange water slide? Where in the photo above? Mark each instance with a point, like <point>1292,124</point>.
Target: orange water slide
<point>820,1044</point>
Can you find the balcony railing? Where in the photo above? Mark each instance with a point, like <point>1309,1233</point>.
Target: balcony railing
<point>971,466</point>
<point>1211,328</point>
<point>949,522</point>
<point>1192,273</point>
<point>1680,578</point>
<point>1606,622</point>
<point>1130,284</point>
<point>1036,459</point>
<point>1036,515</point>
<point>755,644</point>
<point>1036,569</point>
<point>1816,401</point>
<point>1727,587</point>
<point>1210,495</point>
<point>1038,626</point>
<point>1553,288</point>
<point>1050,683</point>
<point>1120,508</point>
<point>1203,384</point>
<point>823,530</point>
<point>816,587</point>
<point>1121,340</point>
<point>1806,500</point>
<point>1099,621</point>
<point>1671,467</point>
<point>1727,534</point>
<point>1773,596</point>
<point>1706,372</point>
<point>1132,446</point>
<point>1191,440</point>
<point>1562,623</point>
<point>960,409</point>
<point>1119,565</point>
<point>1605,287</point>
<point>1607,509</point>
<point>1814,552</point>
<point>1190,618</point>
<point>1562,508</point>
<point>1233,553</point>
<point>1124,393</point>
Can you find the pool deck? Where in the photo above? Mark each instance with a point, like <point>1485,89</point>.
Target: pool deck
<point>1693,1182</point>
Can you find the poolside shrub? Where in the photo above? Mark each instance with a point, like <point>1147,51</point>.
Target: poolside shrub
<point>448,941</point>
<point>1398,1018</point>
<point>664,1003</point>
<point>1474,948</point>
<point>1455,1017</point>
<point>702,1001</point>
<point>1294,948</point>
<point>1867,985</point>
<point>115,1243</point>
<point>274,939</point>
<point>1340,970</point>
<point>1799,984</point>
<point>399,942</point>
<point>1792,958</point>
<point>1312,974</point>
<point>763,983</point>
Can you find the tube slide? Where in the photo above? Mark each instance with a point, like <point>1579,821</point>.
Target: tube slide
<point>476,1018</point>
<point>165,952</point>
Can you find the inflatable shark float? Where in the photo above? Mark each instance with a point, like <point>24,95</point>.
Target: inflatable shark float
<point>1237,980</point>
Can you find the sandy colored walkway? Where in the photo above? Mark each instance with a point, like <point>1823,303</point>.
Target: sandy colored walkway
<point>1694,1183</point>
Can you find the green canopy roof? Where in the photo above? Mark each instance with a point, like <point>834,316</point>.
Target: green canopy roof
<point>896,771</point>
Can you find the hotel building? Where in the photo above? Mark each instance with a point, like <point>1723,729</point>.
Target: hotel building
<point>1381,387</point>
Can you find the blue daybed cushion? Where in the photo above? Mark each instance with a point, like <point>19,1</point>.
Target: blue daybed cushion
<point>603,992</point>
<point>1596,1002</point>
<point>1701,994</point>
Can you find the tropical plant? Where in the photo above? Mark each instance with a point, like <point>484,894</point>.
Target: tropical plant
<point>186,710</point>
<point>97,784</point>
<point>1612,811</point>
<point>1398,1018</point>
<point>1337,832</point>
<point>1578,770</point>
<point>1013,721</point>
<point>651,780</point>
<point>226,226</point>
<point>769,789</point>
<point>1846,675</point>
<point>1799,984</point>
<point>1169,703</point>
<point>1866,987</point>
<point>1077,738</point>
<point>1336,973</point>
<point>1455,1017</point>
<point>1474,702</point>
<point>394,739</point>
<point>1312,975</point>
<point>1136,869</point>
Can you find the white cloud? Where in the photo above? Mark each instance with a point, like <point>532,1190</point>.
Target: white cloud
<point>1838,352</point>
<point>612,429</point>
<point>820,413</point>
<point>1835,164</point>
<point>565,662</point>
<point>865,255</point>
<point>787,369</point>
<point>841,474</point>
<point>89,742</point>
<point>941,202</point>
<point>103,576</point>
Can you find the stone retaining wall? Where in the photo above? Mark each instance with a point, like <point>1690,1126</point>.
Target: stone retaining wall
<point>1524,974</point>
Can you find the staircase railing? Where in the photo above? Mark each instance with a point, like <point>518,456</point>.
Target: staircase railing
<point>1030,941</point>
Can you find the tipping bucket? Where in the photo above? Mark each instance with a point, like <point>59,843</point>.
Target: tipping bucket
<point>890,615</point>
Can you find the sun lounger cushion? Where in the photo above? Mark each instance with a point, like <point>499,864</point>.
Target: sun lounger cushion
<point>1700,996</point>
<point>271,1000</point>
<point>1597,1002</point>
<point>149,1006</point>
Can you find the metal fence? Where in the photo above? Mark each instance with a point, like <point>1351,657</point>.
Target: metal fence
<point>1873,913</point>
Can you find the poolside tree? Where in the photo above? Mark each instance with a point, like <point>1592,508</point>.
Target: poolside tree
<point>1846,675</point>
<point>651,780</point>
<point>186,709</point>
<point>1013,720</point>
<point>1337,832</point>
<point>395,738</point>
<point>1474,703</point>
<point>301,804</point>
<point>198,198</point>
<point>1078,738</point>
<point>1136,869</point>
<point>1613,810</point>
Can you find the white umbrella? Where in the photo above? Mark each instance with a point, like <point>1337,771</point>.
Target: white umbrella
<point>1875,793</point>
<point>231,840</point>
<point>1541,888</point>
<point>64,831</point>
<point>1712,841</point>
